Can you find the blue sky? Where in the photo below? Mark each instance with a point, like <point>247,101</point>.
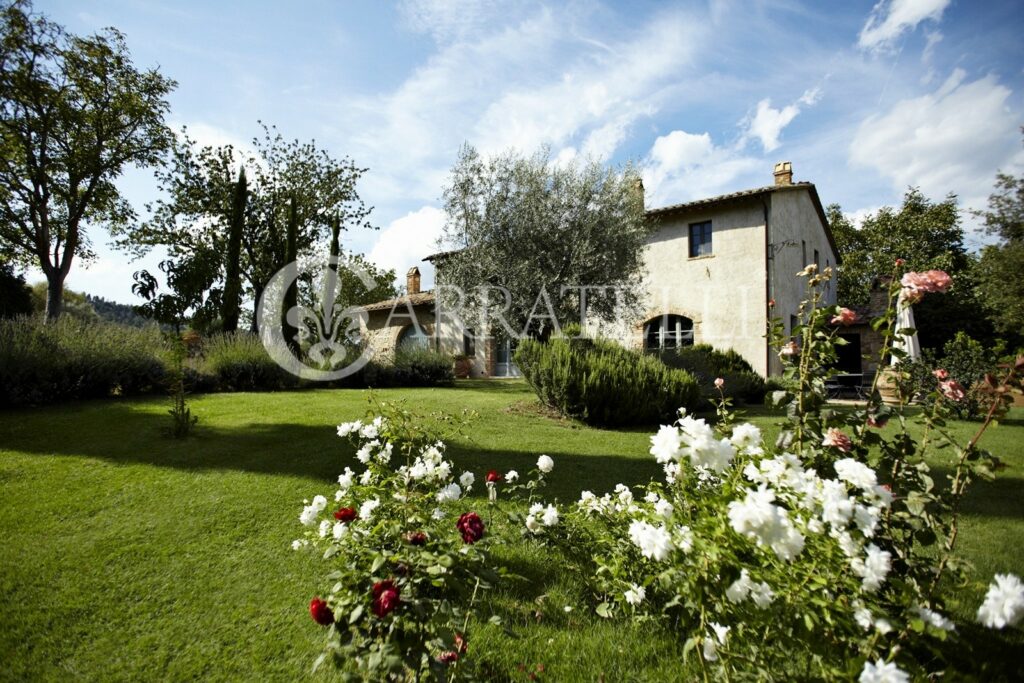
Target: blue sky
<point>864,99</point>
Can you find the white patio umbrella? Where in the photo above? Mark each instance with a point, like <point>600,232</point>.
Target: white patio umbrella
<point>907,342</point>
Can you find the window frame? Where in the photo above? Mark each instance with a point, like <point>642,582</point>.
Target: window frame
<point>704,245</point>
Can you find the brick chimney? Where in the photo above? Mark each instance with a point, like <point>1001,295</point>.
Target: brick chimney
<point>783,173</point>
<point>412,281</point>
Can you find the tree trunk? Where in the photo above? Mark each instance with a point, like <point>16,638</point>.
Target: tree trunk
<point>257,293</point>
<point>54,295</point>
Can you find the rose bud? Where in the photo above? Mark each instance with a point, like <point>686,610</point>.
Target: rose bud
<point>448,657</point>
<point>460,643</point>
<point>877,421</point>
<point>941,374</point>
<point>416,538</point>
<point>494,477</point>
<point>320,612</point>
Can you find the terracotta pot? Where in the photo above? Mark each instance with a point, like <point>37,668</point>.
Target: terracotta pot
<point>462,368</point>
<point>887,378</point>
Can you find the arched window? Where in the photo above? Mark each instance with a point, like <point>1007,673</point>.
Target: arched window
<point>668,332</point>
<point>413,338</point>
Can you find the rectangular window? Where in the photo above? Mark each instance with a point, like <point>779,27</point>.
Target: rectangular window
<point>700,239</point>
<point>803,254</point>
<point>817,260</point>
<point>468,343</point>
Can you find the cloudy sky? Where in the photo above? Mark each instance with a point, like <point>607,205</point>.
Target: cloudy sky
<point>865,99</point>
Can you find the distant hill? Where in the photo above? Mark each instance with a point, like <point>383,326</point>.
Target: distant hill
<point>115,312</point>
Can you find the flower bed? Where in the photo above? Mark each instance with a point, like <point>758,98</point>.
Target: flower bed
<point>828,554</point>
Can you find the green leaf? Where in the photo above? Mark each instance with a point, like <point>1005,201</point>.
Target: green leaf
<point>355,615</point>
<point>604,610</point>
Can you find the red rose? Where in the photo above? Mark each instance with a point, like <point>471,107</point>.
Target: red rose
<point>448,657</point>
<point>345,514</point>
<point>416,538</point>
<point>385,597</point>
<point>471,527</point>
<point>878,421</point>
<point>494,477</point>
<point>320,612</point>
<point>899,262</point>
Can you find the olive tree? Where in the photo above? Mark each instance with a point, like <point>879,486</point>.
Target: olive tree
<point>557,238</point>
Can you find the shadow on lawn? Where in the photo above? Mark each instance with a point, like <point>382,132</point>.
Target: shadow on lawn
<point>132,433</point>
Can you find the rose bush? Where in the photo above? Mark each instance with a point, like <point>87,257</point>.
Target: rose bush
<point>407,559</point>
<point>825,555</point>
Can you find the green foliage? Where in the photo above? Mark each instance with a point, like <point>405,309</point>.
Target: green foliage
<point>15,295</point>
<point>72,359</point>
<point>238,362</point>
<point>706,364</point>
<point>1000,286</point>
<point>562,225</point>
<point>74,111</point>
<point>601,383</point>
<point>967,361</point>
<point>927,235</point>
<point>182,419</point>
<point>405,574</point>
<point>115,312</point>
<point>410,368</point>
<point>200,193</point>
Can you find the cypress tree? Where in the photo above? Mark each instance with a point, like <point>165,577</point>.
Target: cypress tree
<point>291,295</point>
<point>232,269</point>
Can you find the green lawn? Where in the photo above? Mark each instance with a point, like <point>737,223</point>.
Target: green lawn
<point>127,555</point>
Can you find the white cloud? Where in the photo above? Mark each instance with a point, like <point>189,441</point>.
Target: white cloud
<point>889,19</point>
<point>951,140</point>
<point>407,240</point>
<point>447,20</point>
<point>767,123</point>
<point>603,94</point>
<point>684,166</point>
<point>519,81</point>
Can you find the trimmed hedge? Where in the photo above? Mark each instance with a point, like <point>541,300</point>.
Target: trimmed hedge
<point>75,359</point>
<point>707,363</point>
<point>602,383</point>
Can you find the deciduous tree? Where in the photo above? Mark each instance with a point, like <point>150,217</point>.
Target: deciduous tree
<point>74,111</point>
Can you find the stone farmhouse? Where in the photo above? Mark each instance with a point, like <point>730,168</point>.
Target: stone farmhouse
<point>717,269</point>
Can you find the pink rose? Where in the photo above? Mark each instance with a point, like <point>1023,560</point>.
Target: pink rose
<point>900,262</point>
<point>940,374</point>
<point>845,317</point>
<point>836,439</point>
<point>916,285</point>
<point>952,390</point>
<point>719,383</point>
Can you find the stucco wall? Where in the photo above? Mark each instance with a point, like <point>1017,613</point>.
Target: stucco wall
<point>723,293</point>
<point>794,228</point>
